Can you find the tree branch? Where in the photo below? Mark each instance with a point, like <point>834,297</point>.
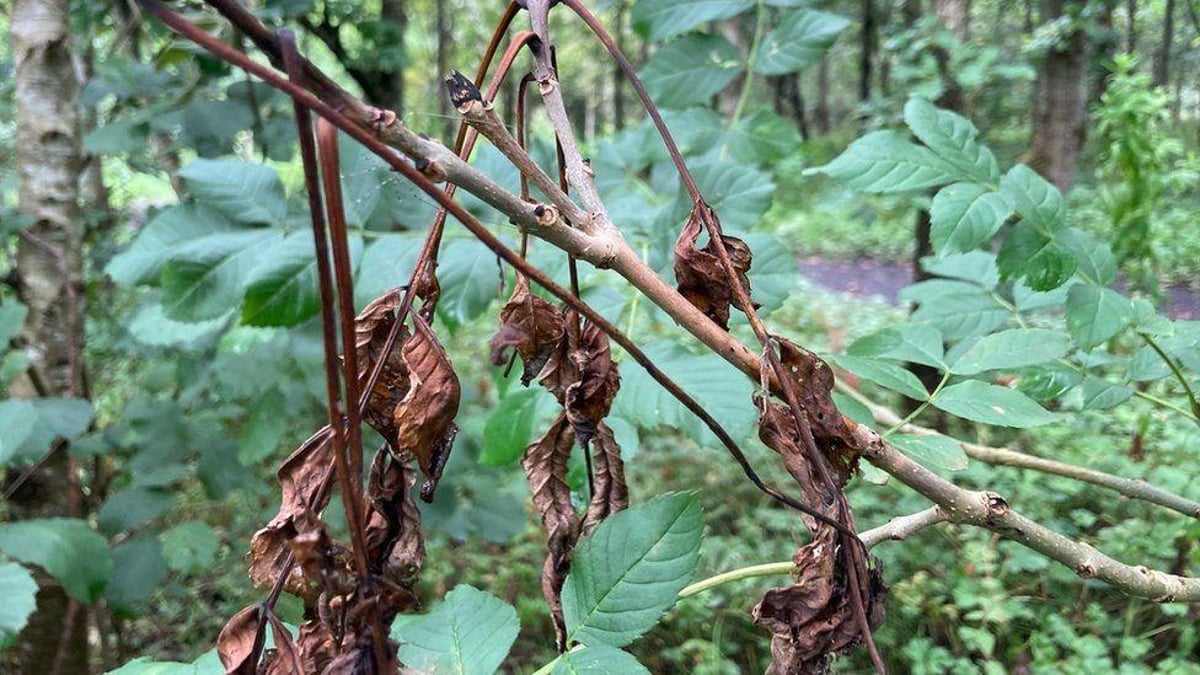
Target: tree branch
<point>1129,487</point>
<point>992,511</point>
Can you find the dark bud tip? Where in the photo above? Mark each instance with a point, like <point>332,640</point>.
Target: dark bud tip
<point>539,210</point>
<point>462,90</point>
<point>421,164</point>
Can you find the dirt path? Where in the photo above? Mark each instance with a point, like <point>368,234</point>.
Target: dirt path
<point>866,277</point>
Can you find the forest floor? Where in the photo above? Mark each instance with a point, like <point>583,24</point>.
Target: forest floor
<point>866,277</point>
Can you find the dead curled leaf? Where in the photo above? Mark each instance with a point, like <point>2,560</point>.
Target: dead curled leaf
<point>416,397</point>
<point>609,491</point>
<point>237,641</point>
<point>814,617</point>
<point>393,531</point>
<point>530,324</point>
<point>701,277</point>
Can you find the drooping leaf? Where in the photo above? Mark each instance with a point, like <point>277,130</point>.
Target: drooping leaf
<point>545,465</point>
<point>597,659</point>
<point>936,451</point>
<point>885,374</point>
<point>702,278</point>
<point>660,19</point>
<point>282,289</point>
<point>190,547</point>
<point>631,569</point>
<point>953,138</point>
<point>207,276</point>
<point>965,215</point>
<point>610,493</point>
<point>468,633</point>
<point>691,70</point>
<point>992,404</point>
<point>66,548</point>
<point>242,191</point>
<point>1014,348</point>
<point>19,591</point>
<point>886,161</point>
<point>532,326</point>
<point>799,40</point>
<point>1095,314</point>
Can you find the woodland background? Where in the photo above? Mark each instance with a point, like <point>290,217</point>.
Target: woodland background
<point>155,414</point>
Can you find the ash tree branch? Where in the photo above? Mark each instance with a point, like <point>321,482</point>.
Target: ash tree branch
<point>608,249</point>
<point>992,511</point>
<point>1129,487</point>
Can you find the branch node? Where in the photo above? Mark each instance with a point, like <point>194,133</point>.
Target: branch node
<point>546,214</point>
<point>431,169</point>
<point>382,118</point>
<point>547,85</point>
<point>462,90</point>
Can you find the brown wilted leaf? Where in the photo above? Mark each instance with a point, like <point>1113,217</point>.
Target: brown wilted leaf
<point>416,397</point>
<point>530,324</point>
<point>285,658</point>
<point>393,533</point>
<point>701,277</point>
<point>814,382</point>
<point>545,463</point>
<point>609,492</point>
<point>305,478</point>
<point>316,647</point>
<point>424,419</point>
<point>590,397</point>
<point>237,641</point>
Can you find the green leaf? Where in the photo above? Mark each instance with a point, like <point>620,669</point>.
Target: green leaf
<point>206,278</point>
<point>190,547</point>
<point>661,19</point>
<point>800,40</point>
<point>887,375</point>
<point>912,342</point>
<point>631,568</point>
<point>965,215</point>
<point>150,326</point>
<point>939,452</point>
<point>138,569</point>
<point>978,267</point>
<point>1035,198</point>
<point>387,263</point>
<point>264,429</point>
<point>708,378</point>
<point>12,318</point>
<point>691,70</point>
<point>282,289</point>
<point>886,161</point>
<point>19,591</point>
<point>1095,314</point>
<point>952,137</point>
<point>56,418</point>
<point>958,309</point>
<point>1101,394</point>
<point>242,191</point>
<point>164,236</point>
<point>1094,260</point>
<point>362,177</point>
<point>18,418</point>
<point>509,427</point>
<point>1048,382</point>
<point>66,548</point>
<point>740,194</point>
<point>1014,348</point>
<point>773,273</point>
<point>468,633</point>
<point>470,279</point>
<point>132,507</point>
<point>992,404</point>
<point>597,659</point>
<point>1038,257</point>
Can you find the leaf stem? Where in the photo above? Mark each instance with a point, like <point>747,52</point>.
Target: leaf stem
<point>920,408</point>
<point>760,16</point>
<point>1187,388</point>
<point>764,570</point>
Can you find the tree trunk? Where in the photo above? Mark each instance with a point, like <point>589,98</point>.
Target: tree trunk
<point>1060,110</point>
<point>1105,48</point>
<point>868,42</point>
<point>1162,60</point>
<point>1130,25</point>
<point>821,118</point>
<point>49,277</point>
<point>955,16</point>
